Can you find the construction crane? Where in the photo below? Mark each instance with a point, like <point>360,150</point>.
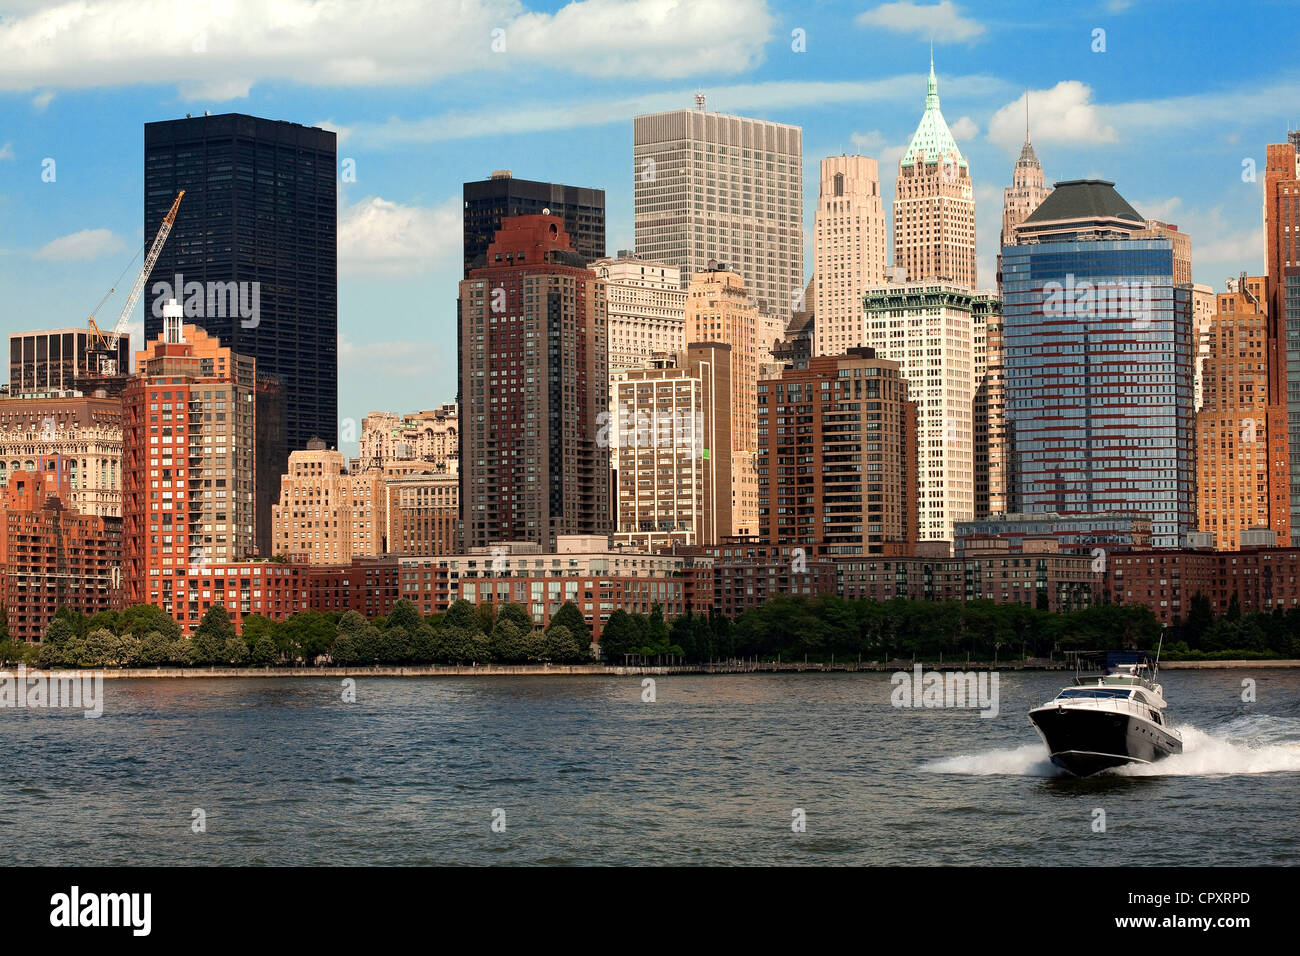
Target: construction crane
<point>104,345</point>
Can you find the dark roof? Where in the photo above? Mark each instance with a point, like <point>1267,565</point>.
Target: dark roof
<point>1084,199</point>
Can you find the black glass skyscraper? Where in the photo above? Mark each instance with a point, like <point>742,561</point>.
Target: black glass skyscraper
<point>253,249</point>
<point>488,201</point>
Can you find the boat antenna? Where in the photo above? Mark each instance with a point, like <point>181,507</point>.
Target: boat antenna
<point>1156,670</point>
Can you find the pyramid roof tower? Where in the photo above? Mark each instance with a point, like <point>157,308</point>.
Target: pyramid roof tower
<point>932,137</point>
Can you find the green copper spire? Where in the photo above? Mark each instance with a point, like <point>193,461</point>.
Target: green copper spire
<point>932,135</point>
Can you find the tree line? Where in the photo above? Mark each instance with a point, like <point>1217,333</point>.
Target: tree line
<point>816,629</point>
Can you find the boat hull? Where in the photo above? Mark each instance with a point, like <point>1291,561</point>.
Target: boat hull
<point>1087,741</point>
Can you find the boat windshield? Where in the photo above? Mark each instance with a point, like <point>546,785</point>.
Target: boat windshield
<point>1112,692</point>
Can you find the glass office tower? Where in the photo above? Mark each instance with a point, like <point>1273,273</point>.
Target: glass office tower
<point>1099,353</point>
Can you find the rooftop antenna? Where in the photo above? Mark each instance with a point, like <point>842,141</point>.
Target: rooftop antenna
<point>699,99</point>
<point>1026,116</point>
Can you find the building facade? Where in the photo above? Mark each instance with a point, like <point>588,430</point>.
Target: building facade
<point>327,515</point>
<point>934,203</point>
<point>1099,354</point>
<point>188,460</point>
<point>1232,446</point>
<point>428,439</point>
<point>718,309</point>
<point>56,360</point>
<point>52,555</point>
<point>673,461</point>
<point>647,309</point>
<point>258,229</point>
<point>489,202</point>
<point>837,470</point>
<point>850,249</point>
<point>83,433</point>
<point>928,328</point>
<point>533,384</point>
<point>1282,256</point>
<point>988,415</point>
<point>422,510</point>
<point>725,188</point>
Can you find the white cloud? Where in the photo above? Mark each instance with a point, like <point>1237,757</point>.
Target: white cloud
<point>869,142</point>
<point>965,128</point>
<point>80,246</point>
<point>1063,114</point>
<point>1165,210</point>
<point>7,151</point>
<point>536,116</point>
<point>382,238</point>
<point>218,51</point>
<point>41,101</point>
<point>942,21</point>
<point>387,359</point>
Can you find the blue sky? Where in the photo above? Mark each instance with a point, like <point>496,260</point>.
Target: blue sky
<point>1181,96</point>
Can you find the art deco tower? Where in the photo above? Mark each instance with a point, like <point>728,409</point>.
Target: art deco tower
<point>934,203</point>
<point>1026,192</point>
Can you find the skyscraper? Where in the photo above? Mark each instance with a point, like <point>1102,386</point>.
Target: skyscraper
<point>488,202</point>
<point>1282,255</point>
<point>254,251</point>
<point>647,309</point>
<point>850,250</point>
<point>928,328</point>
<point>326,515</point>
<point>674,450</point>
<point>1025,194</point>
<point>533,384</point>
<point>1232,487</point>
<point>726,188</point>
<point>719,310</point>
<point>1099,354</point>
<point>843,482</point>
<point>934,203</point>
<point>188,418</point>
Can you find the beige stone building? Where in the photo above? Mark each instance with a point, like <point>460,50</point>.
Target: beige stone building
<point>718,309</point>
<point>727,188</point>
<point>1181,242</point>
<point>327,515</point>
<point>1204,305</point>
<point>421,513</point>
<point>1232,425</point>
<point>647,308</point>
<point>934,203</point>
<point>928,329</point>
<point>850,250</point>
<point>1025,194</point>
<point>674,450</point>
<point>427,438</point>
<point>993,485</point>
<point>82,431</point>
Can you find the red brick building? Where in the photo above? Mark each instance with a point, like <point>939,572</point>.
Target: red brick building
<point>53,555</point>
<point>1262,579</point>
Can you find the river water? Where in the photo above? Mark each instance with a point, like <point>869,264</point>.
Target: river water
<point>582,770</point>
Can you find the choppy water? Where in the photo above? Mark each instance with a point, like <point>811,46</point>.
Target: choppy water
<point>287,773</point>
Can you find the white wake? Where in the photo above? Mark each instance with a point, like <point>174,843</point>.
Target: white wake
<point>1256,743</point>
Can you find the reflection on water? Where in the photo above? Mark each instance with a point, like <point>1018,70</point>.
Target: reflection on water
<point>288,773</point>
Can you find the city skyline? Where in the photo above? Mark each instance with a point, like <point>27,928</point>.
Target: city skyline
<point>399,217</point>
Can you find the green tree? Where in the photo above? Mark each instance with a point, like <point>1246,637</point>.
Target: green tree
<point>155,650</point>
<point>619,637</point>
<point>209,638</point>
<point>562,646</point>
<point>235,652</point>
<point>263,652</point>
<point>516,614</point>
<point>140,619</point>
<point>570,617</point>
<point>462,614</point>
<point>405,616</point>
<point>507,644</point>
<point>307,635</point>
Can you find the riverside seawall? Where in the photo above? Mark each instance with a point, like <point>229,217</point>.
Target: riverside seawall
<point>605,670</point>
